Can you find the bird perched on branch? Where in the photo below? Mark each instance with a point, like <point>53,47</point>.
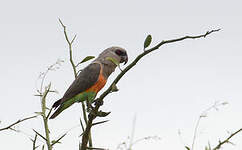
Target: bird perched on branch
<point>91,79</point>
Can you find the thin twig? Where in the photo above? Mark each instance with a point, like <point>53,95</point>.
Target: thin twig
<point>82,125</point>
<point>195,132</point>
<point>42,81</point>
<point>17,122</point>
<point>74,70</point>
<point>226,140</point>
<point>45,119</point>
<point>146,138</point>
<point>99,101</point>
<point>49,113</point>
<point>132,133</point>
<point>70,47</point>
<point>44,108</point>
<point>34,142</point>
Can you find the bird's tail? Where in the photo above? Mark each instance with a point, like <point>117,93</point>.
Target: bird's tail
<point>61,105</point>
<point>58,111</point>
<point>56,104</point>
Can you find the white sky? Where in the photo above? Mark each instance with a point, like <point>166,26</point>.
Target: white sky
<point>167,90</point>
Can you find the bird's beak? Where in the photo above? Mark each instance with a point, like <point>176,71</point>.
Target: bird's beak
<point>124,59</point>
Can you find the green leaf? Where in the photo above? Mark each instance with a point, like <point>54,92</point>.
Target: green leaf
<point>147,41</point>
<point>113,60</point>
<point>187,147</point>
<point>87,59</point>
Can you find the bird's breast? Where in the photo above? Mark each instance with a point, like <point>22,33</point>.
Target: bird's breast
<point>99,84</point>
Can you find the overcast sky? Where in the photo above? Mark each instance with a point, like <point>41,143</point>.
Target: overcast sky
<point>167,90</point>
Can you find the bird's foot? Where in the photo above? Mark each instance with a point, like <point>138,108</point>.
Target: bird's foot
<point>89,107</point>
<point>98,102</point>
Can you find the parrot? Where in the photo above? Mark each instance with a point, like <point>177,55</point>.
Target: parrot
<point>91,79</point>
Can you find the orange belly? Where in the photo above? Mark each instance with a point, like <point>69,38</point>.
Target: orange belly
<point>98,85</point>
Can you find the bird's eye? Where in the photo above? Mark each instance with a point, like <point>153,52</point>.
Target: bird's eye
<point>119,52</point>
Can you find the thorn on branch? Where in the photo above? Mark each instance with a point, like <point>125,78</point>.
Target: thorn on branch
<point>58,140</point>
<point>93,148</point>
<point>101,122</point>
<point>40,135</point>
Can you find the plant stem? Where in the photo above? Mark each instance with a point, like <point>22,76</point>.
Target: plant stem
<point>45,119</point>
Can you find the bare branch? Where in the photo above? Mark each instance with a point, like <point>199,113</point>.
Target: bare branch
<point>70,47</point>
<point>99,101</point>
<point>45,119</point>
<point>17,122</point>
<point>74,70</point>
<point>43,96</point>
<point>226,140</point>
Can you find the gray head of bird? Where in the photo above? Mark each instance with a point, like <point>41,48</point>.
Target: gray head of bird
<point>117,53</point>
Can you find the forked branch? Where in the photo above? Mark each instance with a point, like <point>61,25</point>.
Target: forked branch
<point>70,47</point>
